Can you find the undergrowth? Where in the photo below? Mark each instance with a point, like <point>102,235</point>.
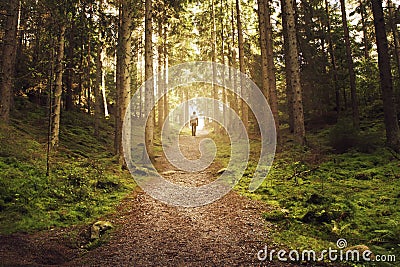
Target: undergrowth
<point>319,196</point>
<point>85,181</point>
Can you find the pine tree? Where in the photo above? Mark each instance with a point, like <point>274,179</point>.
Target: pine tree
<point>8,62</point>
<point>294,72</point>
<point>386,83</point>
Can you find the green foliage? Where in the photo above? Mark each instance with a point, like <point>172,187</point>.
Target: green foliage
<point>84,181</point>
<point>353,195</point>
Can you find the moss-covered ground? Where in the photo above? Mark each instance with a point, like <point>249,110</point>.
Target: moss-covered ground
<point>343,184</point>
<point>320,195</point>
<point>85,181</point>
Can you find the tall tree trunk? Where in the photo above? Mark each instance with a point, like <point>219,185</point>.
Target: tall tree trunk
<point>103,88</point>
<point>271,68</point>
<point>98,90</point>
<point>50,81</point>
<point>140,77</point>
<point>224,91</point>
<point>214,60</point>
<point>389,108</point>
<point>126,68</point>
<point>267,56</point>
<point>230,94</point>
<point>294,73</point>
<point>58,89</point>
<point>8,62</point>
<point>89,80</point>
<point>289,91</point>
<point>118,71</point>
<point>395,32</point>
<point>245,108</point>
<point>165,75</point>
<point>70,67</point>
<point>235,102</point>
<point>333,58</point>
<point>160,83</point>
<point>80,73</point>
<point>89,65</point>
<point>149,93</point>
<point>350,64</point>
<point>364,29</point>
<point>124,65</point>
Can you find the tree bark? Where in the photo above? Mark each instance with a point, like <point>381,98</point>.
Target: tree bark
<point>8,62</point>
<point>118,70</point>
<point>224,93</point>
<point>386,83</point>
<point>235,102</point>
<point>395,33</point>
<point>89,65</point>
<point>140,77</point>
<point>126,68</point>
<point>165,74</point>
<point>245,108</point>
<point>294,73</point>
<point>364,29</point>
<point>267,56</point>
<point>333,59</point>
<point>214,60</point>
<point>103,89</point>
<point>124,65</point>
<point>289,91</point>
<point>160,83</point>
<point>98,90</point>
<point>70,67</point>
<point>58,89</point>
<point>350,64</point>
<point>149,93</point>
<point>88,79</point>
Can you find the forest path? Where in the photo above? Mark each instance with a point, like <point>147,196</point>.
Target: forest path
<point>228,232</point>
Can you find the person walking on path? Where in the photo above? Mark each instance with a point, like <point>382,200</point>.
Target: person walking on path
<point>194,121</point>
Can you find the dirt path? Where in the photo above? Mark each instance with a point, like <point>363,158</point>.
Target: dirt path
<point>228,232</point>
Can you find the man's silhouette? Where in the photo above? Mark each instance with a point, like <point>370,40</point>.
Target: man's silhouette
<point>194,121</point>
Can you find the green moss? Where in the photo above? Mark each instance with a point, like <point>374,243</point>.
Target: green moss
<point>84,181</point>
<point>353,195</point>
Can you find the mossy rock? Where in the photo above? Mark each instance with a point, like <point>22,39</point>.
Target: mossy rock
<point>98,228</point>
